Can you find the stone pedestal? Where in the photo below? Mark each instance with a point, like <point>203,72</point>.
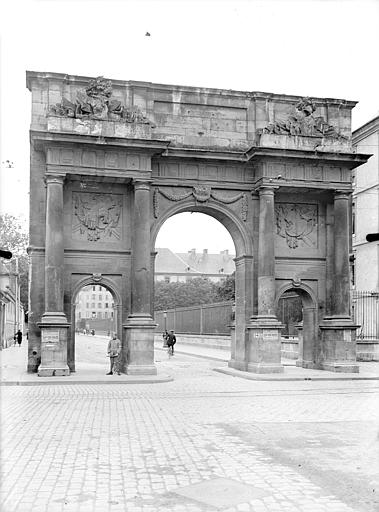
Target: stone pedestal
<point>54,329</point>
<point>264,349</point>
<point>140,345</point>
<point>338,345</point>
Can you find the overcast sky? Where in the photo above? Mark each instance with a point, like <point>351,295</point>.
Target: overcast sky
<point>321,48</point>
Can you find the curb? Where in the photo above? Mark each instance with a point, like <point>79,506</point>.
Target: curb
<point>154,380</point>
<point>264,377</point>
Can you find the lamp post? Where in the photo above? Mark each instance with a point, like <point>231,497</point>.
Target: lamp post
<point>165,328</point>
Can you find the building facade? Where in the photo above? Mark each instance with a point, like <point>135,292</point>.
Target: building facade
<point>11,309</point>
<point>366,208</point>
<point>174,267</point>
<point>94,309</point>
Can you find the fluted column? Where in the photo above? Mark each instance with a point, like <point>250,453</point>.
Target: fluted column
<point>264,350</point>
<point>266,254</point>
<point>139,325</point>
<point>141,286</point>
<point>341,296</point>
<point>54,248</point>
<point>53,323</point>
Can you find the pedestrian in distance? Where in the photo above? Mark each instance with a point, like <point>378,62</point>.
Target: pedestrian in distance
<point>18,336</point>
<point>114,351</point>
<point>171,340</point>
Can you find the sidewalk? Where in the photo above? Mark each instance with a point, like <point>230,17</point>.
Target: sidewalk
<point>14,359</point>
<point>367,371</point>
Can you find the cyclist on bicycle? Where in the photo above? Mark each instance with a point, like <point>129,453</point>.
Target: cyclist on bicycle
<point>171,340</point>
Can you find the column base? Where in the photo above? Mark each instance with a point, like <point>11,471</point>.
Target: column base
<point>44,371</point>
<point>141,369</point>
<point>238,365</point>
<point>340,367</point>
<point>338,351</point>
<point>139,353</point>
<point>54,328</point>
<point>264,345</point>
<point>265,368</point>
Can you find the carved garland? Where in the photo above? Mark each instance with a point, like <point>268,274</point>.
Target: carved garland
<point>202,194</point>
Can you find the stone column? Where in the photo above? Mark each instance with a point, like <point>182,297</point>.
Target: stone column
<point>338,343</point>
<point>140,326</point>
<point>53,323</point>
<point>243,310</point>
<point>264,329</point>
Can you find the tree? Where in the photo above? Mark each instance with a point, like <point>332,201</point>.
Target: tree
<point>227,289</point>
<point>14,238</point>
<point>191,293</point>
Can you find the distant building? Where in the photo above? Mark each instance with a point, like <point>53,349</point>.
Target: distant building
<point>180,267</point>
<point>11,309</point>
<point>366,208</point>
<point>94,309</point>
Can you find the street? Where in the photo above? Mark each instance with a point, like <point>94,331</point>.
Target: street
<point>203,442</point>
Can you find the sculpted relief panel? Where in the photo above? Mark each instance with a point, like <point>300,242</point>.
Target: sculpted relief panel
<point>297,224</point>
<point>96,216</point>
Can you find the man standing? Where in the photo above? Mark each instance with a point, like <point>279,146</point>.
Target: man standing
<point>18,337</point>
<point>171,340</point>
<point>114,351</point>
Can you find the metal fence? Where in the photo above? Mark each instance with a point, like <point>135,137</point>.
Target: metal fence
<point>365,311</point>
<point>202,319</point>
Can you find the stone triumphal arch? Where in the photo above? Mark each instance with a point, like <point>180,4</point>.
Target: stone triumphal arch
<point>111,161</point>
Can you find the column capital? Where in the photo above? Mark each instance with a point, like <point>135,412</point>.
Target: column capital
<point>141,184</point>
<point>54,178</point>
<point>342,194</point>
<point>266,190</point>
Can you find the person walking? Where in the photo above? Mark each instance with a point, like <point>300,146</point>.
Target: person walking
<point>171,340</point>
<point>114,351</point>
<point>164,335</point>
<point>19,337</point>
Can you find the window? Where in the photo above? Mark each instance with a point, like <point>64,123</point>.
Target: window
<point>111,314</point>
<point>100,297</point>
<point>112,304</point>
<point>94,296</point>
<point>106,305</point>
<point>92,305</point>
<point>99,314</point>
<point>166,279</point>
<point>100,288</point>
<point>105,314</point>
<point>93,288</point>
<point>88,314</point>
<point>93,314</point>
<point>87,305</point>
<point>99,305</point>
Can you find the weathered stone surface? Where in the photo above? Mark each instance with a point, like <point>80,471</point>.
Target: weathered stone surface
<point>132,154</point>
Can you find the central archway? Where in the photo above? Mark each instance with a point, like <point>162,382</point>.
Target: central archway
<point>243,268</point>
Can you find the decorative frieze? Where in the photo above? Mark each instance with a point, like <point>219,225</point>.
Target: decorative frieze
<point>303,122</point>
<point>297,223</point>
<point>202,194</point>
<point>94,102</point>
<point>96,216</point>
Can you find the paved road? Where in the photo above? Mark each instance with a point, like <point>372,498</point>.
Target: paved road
<point>204,442</point>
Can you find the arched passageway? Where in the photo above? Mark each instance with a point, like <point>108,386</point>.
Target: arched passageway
<point>302,322</point>
<point>243,270</point>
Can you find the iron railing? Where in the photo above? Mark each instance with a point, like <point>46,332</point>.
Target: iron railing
<point>365,312</point>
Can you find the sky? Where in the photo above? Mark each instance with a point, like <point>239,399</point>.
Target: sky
<point>321,48</point>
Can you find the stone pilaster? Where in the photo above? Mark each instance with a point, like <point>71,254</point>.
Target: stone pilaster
<point>243,308</point>
<point>338,333</point>
<point>53,323</point>
<point>264,329</point>
<point>140,325</point>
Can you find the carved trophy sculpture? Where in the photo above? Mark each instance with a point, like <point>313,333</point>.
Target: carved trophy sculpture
<point>303,122</point>
<point>95,103</point>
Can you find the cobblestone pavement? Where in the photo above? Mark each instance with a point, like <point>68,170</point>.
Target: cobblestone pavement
<point>204,442</point>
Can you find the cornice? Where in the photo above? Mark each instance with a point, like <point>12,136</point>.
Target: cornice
<point>83,80</point>
<point>365,130</point>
